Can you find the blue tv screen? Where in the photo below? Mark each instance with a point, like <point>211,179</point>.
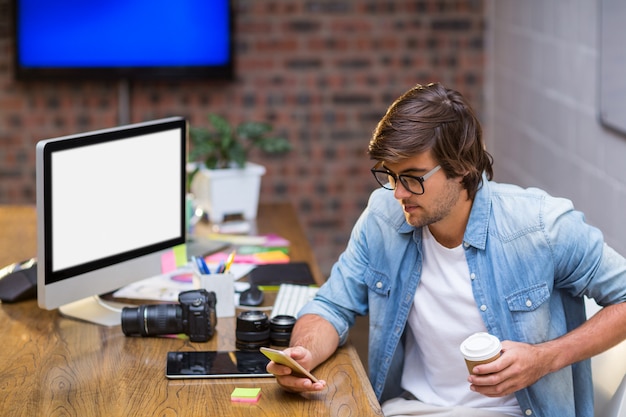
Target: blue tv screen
<point>124,38</point>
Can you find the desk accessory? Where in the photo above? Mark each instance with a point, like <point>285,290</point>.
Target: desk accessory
<point>245,395</point>
<point>229,261</point>
<point>216,364</point>
<point>252,297</point>
<point>291,298</point>
<point>18,282</point>
<point>284,273</point>
<point>200,265</point>
<point>223,285</point>
<point>271,256</point>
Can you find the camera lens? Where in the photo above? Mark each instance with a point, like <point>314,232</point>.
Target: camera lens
<point>253,330</point>
<point>280,329</point>
<point>152,320</point>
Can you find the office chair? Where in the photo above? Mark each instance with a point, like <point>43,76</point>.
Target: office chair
<point>616,407</point>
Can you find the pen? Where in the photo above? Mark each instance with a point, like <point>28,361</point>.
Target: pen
<point>229,261</point>
<point>194,266</point>
<point>202,266</point>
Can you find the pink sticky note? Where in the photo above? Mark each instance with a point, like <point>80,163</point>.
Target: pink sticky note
<point>168,262</point>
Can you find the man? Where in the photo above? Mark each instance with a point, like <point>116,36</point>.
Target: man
<point>455,254</point>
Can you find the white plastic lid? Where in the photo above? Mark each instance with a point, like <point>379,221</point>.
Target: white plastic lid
<point>480,346</point>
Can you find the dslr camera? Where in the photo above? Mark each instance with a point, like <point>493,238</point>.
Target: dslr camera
<point>194,315</point>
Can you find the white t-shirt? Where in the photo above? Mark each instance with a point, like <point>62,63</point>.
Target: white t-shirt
<point>443,314</point>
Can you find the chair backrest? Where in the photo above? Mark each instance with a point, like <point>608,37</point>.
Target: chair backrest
<point>609,376</point>
<point>616,407</point>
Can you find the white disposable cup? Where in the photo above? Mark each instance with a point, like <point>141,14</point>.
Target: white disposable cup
<point>480,348</point>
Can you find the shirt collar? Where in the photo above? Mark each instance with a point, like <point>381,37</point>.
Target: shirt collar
<point>478,224</point>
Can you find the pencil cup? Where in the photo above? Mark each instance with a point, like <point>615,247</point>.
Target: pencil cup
<point>224,288</point>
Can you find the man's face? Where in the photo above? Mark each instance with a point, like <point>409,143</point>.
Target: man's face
<point>440,197</point>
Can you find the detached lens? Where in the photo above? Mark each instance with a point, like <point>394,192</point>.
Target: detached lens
<point>280,329</point>
<point>253,330</point>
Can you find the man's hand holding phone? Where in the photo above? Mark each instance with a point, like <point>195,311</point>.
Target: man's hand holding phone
<point>289,368</point>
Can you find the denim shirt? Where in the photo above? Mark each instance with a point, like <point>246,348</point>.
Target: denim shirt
<point>531,259</point>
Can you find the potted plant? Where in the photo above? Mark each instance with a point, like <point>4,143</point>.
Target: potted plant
<point>222,180</point>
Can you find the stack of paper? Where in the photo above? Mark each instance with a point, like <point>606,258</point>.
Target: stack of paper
<point>257,250</point>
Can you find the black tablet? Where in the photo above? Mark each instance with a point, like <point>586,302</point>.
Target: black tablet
<point>216,364</point>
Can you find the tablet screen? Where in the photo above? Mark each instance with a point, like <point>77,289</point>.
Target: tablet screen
<point>216,364</point>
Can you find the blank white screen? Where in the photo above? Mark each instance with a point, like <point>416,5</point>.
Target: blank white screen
<point>116,196</point>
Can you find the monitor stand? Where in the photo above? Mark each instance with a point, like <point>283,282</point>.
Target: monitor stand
<point>94,310</point>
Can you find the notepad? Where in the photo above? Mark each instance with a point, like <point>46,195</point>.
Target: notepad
<point>261,258</point>
<point>246,395</point>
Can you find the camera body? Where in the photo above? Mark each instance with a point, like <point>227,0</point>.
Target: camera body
<point>198,311</point>
<point>194,315</point>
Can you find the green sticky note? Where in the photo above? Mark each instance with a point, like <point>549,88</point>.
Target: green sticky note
<point>248,395</point>
<point>180,254</point>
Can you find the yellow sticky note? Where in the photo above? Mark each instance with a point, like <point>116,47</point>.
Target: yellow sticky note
<point>275,256</point>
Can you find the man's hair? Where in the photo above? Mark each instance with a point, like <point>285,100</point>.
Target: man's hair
<point>437,119</point>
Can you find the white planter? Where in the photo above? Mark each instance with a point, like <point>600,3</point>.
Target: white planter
<point>231,191</point>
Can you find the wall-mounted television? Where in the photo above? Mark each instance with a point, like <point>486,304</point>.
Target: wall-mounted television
<point>123,39</point>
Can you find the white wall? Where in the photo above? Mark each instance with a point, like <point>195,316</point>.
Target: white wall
<point>542,124</point>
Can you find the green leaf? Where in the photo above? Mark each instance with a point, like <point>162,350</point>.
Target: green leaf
<point>253,130</point>
<point>221,125</point>
<point>220,144</point>
<point>274,145</point>
<point>211,161</point>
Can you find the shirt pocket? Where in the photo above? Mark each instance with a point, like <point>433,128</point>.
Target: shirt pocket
<point>378,283</point>
<point>530,313</point>
<point>379,298</point>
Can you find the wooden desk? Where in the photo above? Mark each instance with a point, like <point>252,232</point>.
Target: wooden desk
<point>53,366</point>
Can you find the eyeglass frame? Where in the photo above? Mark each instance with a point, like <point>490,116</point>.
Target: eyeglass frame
<point>401,177</point>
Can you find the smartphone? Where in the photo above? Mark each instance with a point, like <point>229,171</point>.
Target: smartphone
<point>280,357</point>
<point>216,364</point>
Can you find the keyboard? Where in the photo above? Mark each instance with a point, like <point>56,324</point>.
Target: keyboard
<point>291,298</point>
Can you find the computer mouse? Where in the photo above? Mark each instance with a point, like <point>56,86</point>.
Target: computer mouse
<point>253,296</point>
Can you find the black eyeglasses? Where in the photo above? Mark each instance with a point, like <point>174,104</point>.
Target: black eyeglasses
<point>411,183</point>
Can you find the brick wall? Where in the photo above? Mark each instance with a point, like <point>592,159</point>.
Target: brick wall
<point>323,72</point>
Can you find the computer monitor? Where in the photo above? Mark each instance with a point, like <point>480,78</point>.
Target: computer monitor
<point>110,203</point>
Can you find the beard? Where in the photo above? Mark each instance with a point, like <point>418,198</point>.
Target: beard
<point>433,210</point>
